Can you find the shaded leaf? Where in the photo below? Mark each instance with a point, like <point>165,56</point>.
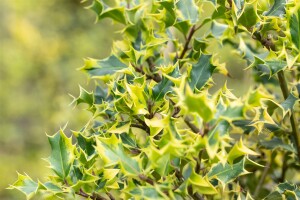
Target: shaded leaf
<point>26,185</point>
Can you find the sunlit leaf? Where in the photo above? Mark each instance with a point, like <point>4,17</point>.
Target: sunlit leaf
<point>62,155</point>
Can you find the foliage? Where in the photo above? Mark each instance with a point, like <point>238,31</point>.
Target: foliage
<point>158,131</point>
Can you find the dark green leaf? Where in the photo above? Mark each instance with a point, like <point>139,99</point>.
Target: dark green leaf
<point>227,173</point>
<point>289,103</point>
<point>62,155</point>
<point>106,66</point>
<point>277,9</point>
<point>294,23</point>
<point>201,72</point>
<point>117,14</point>
<point>248,17</point>
<point>277,143</point>
<point>170,15</point>
<point>164,86</point>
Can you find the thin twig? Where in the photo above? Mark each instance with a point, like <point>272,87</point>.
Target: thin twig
<point>262,180</point>
<point>198,165</point>
<point>146,179</point>
<point>192,126</point>
<point>294,124</point>
<point>283,168</point>
<point>187,42</point>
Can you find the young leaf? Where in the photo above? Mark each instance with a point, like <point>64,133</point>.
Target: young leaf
<point>26,185</point>
<point>199,103</point>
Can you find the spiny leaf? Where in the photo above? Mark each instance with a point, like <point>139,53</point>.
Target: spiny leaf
<point>201,72</point>
<point>249,15</point>
<point>277,9</point>
<point>227,173</point>
<point>239,149</point>
<point>188,10</point>
<point>26,185</point>
<point>112,152</point>
<point>199,103</point>
<point>294,24</point>
<point>103,67</point>
<point>289,103</point>
<point>117,14</point>
<point>62,155</point>
<point>164,86</point>
<point>275,143</point>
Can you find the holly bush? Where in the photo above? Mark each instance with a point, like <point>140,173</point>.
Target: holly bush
<point>159,129</point>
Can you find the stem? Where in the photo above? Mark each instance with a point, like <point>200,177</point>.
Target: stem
<point>198,166</point>
<point>146,179</point>
<point>142,125</point>
<point>284,168</point>
<point>285,92</point>
<point>187,42</point>
<point>262,180</point>
<point>195,196</point>
<point>192,126</point>
<point>94,196</point>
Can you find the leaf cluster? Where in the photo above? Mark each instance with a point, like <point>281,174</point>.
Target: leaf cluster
<point>158,131</point>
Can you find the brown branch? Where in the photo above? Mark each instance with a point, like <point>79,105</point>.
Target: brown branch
<point>283,168</point>
<point>94,196</point>
<point>192,126</point>
<point>142,125</point>
<point>198,165</point>
<point>196,195</point>
<point>187,42</point>
<point>140,70</point>
<point>156,77</point>
<point>146,179</point>
<point>262,180</point>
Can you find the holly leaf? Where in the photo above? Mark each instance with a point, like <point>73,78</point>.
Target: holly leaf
<point>294,24</point>
<point>201,72</point>
<point>26,185</point>
<point>112,152</point>
<point>103,67</point>
<point>62,154</point>
<point>164,86</point>
<point>249,17</point>
<point>227,173</point>
<point>277,9</point>
<point>199,103</point>
<point>188,10</point>
<point>277,143</point>
<point>289,103</point>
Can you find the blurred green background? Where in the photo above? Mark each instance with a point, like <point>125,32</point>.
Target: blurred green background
<point>42,43</point>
